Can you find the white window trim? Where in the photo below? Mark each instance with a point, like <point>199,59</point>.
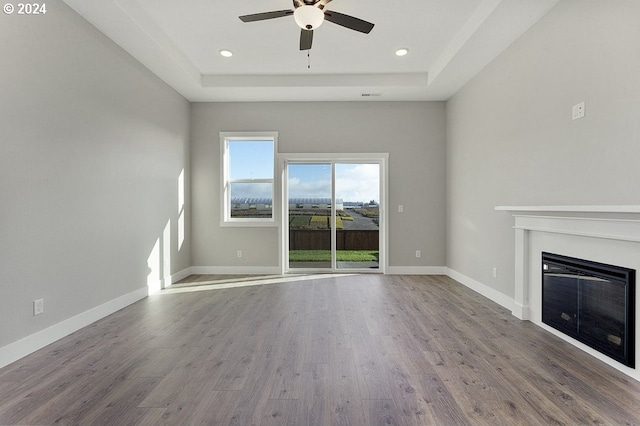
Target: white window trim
<point>225,203</point>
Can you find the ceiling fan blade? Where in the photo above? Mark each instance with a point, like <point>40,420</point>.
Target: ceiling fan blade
<point>266,15</point>
<point>306,39</point>
<point>348,21</point>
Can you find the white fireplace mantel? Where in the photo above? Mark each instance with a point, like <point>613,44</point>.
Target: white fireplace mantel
<point>601,222</point>
<point>573,209</point>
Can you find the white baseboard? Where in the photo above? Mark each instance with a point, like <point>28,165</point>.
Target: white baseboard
<point>275,270</point>
<point>25,346</point>
<point>486,291</point>
<point>178,276</point>
<point>235,270</point>
<point>416,270</point>
<point>167,281</point>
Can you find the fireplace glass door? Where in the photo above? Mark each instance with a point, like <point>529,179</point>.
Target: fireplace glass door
<point>591,302</point>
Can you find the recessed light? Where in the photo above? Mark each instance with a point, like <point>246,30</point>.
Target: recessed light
<point>402,52</point>
<point>226,53</point>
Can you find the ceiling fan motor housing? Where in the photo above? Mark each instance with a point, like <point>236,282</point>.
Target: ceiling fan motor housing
<point>308,17</point>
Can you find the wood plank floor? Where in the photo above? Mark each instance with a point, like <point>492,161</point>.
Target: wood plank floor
<point>357,350</point>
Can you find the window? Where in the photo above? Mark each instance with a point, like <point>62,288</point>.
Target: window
<point>248,164</point>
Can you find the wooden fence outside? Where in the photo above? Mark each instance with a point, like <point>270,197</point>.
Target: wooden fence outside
<point>300,239</point>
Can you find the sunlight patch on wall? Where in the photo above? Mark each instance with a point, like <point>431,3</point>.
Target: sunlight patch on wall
<point>166,255</point>
<point>180,210</point>
<point>153,263</point>
<point>159,262</point>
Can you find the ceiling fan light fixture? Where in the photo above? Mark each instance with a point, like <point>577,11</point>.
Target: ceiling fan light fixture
<point>308,17</point>
<point>402,51</point>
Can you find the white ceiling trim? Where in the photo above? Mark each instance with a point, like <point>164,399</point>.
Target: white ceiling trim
<point>492,27</point>
<point>317,80</point>
<point>155,35</point>
<point>508,20</point>
<point>148,44</point>
<point>467,31</point>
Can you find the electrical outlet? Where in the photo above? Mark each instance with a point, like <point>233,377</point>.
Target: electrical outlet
<point>495,272</point>
<point>38,306</point>
<point>239,253</point>
<point>400,208</point>
<point>577,111</point>
<point>418,253</point>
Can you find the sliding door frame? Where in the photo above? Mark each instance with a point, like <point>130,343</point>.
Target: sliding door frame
<point>381,159</point>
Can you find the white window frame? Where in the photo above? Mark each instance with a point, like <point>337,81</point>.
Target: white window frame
<point>335,158</point>
<point>225,204</point>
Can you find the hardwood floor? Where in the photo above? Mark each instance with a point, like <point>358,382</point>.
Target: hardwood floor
<point>359,350</point>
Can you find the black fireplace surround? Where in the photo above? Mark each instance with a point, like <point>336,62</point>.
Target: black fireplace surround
<point>591,302</point>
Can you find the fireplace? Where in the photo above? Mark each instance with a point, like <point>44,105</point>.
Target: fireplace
<point>591,302</point>
<point>609,234</point>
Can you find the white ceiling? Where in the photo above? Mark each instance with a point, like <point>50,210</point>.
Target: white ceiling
<point>449,42</point>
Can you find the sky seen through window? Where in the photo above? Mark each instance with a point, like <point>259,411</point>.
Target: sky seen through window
<point>255,159</point>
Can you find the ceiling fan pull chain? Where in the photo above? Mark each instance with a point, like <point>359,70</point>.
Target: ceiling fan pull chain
<point>309,59</point>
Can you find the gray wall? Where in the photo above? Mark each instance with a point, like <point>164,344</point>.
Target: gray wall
<point>91,148</point>
<point>413,133</point>
<point>511,140</point>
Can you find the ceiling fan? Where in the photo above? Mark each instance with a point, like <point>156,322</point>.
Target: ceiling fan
<point>309,15</point>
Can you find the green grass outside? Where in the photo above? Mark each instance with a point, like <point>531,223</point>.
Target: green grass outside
<point>325,255</point>
<point>314,222</point>
<point>369,212</point>
<point>299,221</point>
<point>317,221</point>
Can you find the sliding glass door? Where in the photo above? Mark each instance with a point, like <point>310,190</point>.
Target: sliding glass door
<point>310,212</point>
<point>357,189</point>
<point>333,213</point>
